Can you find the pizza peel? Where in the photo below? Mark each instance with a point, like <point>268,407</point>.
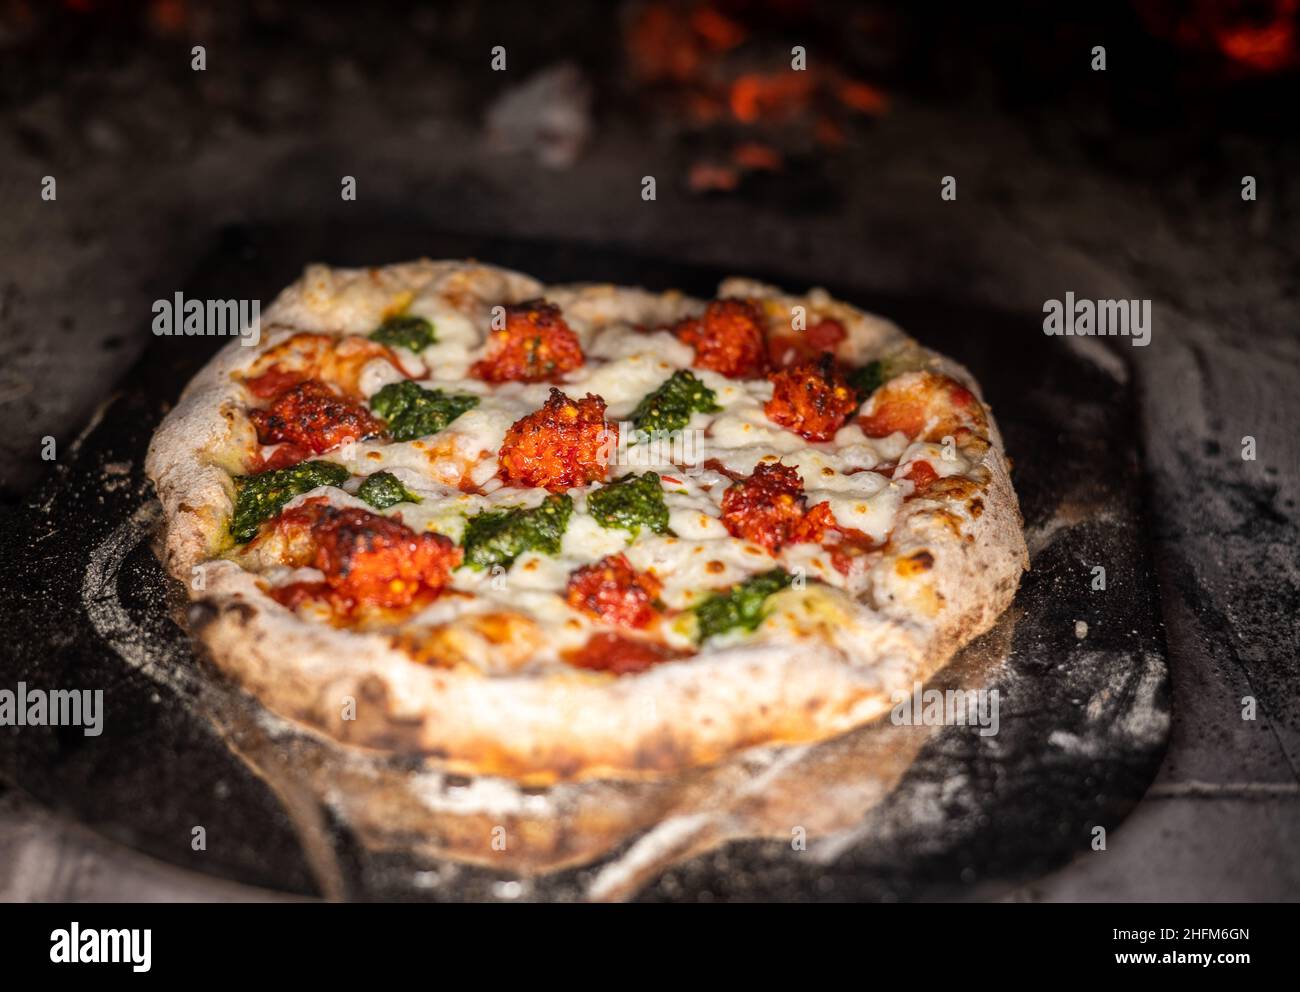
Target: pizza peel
<point>889,811</point>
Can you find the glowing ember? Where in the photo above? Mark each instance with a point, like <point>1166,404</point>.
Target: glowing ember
<point>1267,48</point>
<point>722,65</point>
<point>1256,37</point>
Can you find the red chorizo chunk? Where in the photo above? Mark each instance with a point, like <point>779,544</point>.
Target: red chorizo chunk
<point>729,339</point>
<point>921,475</point>
<point>919,403</point>
<point>274,381</point>
<point>614,592</point>
<point>814,525</point>
<point>337,361</point>
<point>312,417</point>
<point>376,560</point>
<point>536,345</point>
<point>606,651</point>
<point>847,554</point>
<point>768,509</point>
<point>825,335</point>
<point>284,456</point>
<point>566,443</point>
<point>368,560</point>
<point>812,399</point>
<point>796,347</point>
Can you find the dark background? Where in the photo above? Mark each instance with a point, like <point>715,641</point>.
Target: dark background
<point>1117,184</point>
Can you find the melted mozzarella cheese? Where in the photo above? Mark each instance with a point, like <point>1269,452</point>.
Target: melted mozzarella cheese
<point>623,364</point>
<point>623,382</point>
<point>621,341</point>
<point>688,569</point>
<point>945,459</point>
<point>376,374</point>
<point>873,515</point>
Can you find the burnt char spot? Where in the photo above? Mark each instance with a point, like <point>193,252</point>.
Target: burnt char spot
<point>923,560</point>
<point>657,755</point>
<point>241,613</point>
<point>200,616</point>
<point>373,690</point>
<point>567,766</point>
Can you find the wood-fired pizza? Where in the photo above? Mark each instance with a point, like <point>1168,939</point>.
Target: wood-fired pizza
<point>573,531</point>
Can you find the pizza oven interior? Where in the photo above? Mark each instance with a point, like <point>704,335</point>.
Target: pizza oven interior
<point>951,173</point>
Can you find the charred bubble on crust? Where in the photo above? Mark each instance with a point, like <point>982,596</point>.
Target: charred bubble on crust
<point>811,399</point>
<point>956,488</point>
<point>200,616</point>
<point>566,443</point>
<point>661,754</point>
<point>242,612</point>
<point>768,509</point>
<point>372,689</point>
<point>729,338</point>
<point>914,564</point>
<point>535,345</point>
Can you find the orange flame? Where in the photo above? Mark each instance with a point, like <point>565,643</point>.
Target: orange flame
<point>1268,47</point>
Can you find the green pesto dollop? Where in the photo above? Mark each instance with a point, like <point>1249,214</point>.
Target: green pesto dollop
<point>405,331</point>
<point>632,502</point>
<point>498,537</point>
<point>741,606</point>
<point>670,406</point>
<point>413,411</point>
<point>383,489</point>
<point>260,497</point>
<point>867,379</point>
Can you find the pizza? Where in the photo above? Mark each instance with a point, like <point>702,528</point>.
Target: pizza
<point>559,532</point>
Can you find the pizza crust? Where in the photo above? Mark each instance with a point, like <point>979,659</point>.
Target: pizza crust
<point>851,657</point>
